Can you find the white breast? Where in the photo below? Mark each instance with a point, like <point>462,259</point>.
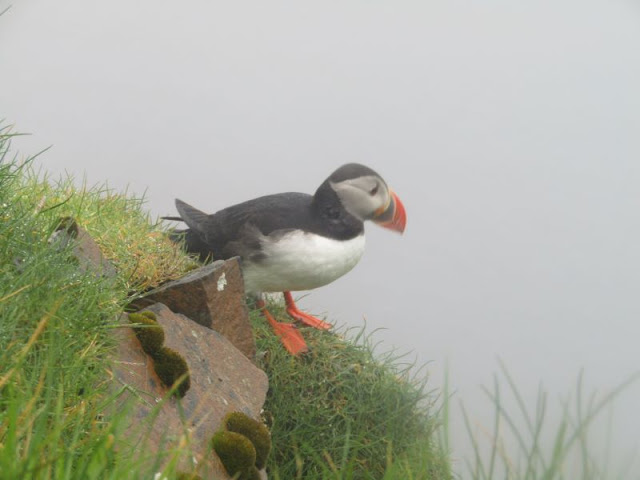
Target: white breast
<point>301,261</point>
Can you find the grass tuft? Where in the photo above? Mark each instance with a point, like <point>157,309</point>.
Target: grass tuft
<point>54,343</point>
<point>135,243</point>
<point>341,412</point>
<point>523,444</point>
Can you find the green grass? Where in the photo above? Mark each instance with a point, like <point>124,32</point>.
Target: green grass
<point>340,412</point>
<point>61,416</point>
<point>54,342</point>
<point>523,443</point>
<point>126,234</point>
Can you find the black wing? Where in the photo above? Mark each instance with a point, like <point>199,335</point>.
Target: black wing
<point>240,229</point>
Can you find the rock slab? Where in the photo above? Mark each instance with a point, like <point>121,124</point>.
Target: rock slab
<point>222,380</point>
<point>213,296</point>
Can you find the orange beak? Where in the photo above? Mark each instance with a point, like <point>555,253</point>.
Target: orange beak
<point>393,216</point>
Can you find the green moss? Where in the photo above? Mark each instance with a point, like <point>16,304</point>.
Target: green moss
<point>149,314</point>
<point>170,366</point>
<point>237,454</point>
<point>254,430</point>
<point>188,476</point>
<point>254,474</point>
<point>150,333</point>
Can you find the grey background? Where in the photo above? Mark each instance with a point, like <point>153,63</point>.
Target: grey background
<point>510,130</point>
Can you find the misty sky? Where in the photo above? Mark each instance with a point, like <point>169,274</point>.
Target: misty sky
<point>510,130</point>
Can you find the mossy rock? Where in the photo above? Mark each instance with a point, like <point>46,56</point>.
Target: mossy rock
<point>237,454</point>
<point>254,474</point>
<point>254,430</point>
<point>149,314</point>
<point>150,333</point>
<point>170,366</point>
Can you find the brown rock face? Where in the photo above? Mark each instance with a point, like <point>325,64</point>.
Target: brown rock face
<point>222,380</point>
<point>213,296</point>
<point>85,249</point>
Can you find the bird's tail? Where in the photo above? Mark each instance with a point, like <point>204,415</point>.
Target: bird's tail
<point>192,241</point>
<point>176,235</point>
<point>173,219</point>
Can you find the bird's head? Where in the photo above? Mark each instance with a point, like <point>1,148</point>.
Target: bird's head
<point>366,196</point>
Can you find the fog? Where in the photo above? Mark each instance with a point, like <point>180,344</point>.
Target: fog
<point>510,130</point>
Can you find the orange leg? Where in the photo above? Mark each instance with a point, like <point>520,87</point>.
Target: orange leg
<point>289,335</point>
<point>305,318</point>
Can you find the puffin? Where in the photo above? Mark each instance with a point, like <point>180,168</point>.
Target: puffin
<point>292,241</point>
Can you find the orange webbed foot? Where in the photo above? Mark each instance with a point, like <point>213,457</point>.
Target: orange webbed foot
<point>303,317</point>
<point>289,335</point>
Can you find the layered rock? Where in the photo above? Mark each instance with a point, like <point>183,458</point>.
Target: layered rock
<point>222,380</point>
<point>213,296</point>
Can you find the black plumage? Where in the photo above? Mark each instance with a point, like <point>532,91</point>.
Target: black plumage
<point>237,230</point>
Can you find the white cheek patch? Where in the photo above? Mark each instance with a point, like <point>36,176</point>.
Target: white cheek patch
<point>355,196</point>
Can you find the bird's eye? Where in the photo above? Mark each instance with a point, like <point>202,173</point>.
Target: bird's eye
<point>374,190</point>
